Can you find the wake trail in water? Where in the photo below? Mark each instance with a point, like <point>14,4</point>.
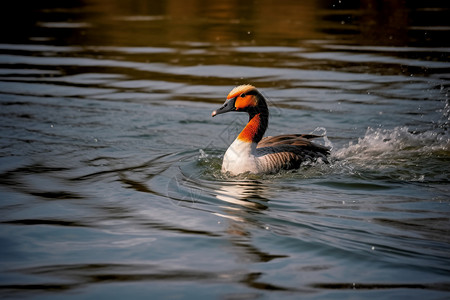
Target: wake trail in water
<point>396,142</point>
<point>398,153</point>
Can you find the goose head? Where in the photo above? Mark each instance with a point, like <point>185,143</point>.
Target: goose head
<point>243,98</point>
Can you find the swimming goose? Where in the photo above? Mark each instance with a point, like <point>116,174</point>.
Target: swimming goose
<point>252,153</point>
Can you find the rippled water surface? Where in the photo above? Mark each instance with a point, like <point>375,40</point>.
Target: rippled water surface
<point>110,181</point>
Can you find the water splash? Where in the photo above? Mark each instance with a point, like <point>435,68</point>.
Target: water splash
<point>398,153</point>
<point>322,131</point>
<point>399,142</point>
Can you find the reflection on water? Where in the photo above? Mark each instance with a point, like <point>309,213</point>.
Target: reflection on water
<point>110,180</point>
<point>240,195</point>
<point>144,23</point>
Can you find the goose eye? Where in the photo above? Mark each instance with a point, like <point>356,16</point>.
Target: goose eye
<point>243,95</point>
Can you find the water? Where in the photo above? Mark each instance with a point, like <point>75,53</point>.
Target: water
<point>110,181</point>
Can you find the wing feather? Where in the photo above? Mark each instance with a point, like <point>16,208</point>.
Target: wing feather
<point>290,150</point>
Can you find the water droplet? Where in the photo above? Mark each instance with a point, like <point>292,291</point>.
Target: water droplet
<point>203,155</point>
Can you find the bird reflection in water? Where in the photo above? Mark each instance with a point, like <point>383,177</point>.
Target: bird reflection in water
<point>240,200</point>
<point>242,205</point>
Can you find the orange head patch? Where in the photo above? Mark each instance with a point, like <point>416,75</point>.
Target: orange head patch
<point>242,99</point>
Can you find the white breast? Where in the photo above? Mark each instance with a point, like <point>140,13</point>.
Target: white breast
<point>240,158</point>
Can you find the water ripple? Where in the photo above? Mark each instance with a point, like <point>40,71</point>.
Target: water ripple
<point>110,162</point>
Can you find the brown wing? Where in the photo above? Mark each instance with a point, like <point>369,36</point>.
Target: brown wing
<point>290,150</point>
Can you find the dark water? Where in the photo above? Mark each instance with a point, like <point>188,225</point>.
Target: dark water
<point>110,180</point>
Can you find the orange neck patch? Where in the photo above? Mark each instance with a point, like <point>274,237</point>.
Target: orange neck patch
<point>252,130</point>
